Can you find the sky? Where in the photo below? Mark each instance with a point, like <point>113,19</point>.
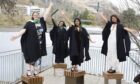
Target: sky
<point>115,2</point>
<point>118,3</point>
<point>122,6</point>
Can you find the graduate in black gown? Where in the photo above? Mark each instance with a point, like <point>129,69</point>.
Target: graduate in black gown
<point>33,40</point>
<point>59,41</point>
<point>79,44</point>
<point>120,40</point>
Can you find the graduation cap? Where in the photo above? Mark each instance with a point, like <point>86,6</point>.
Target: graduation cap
<point>55,12</point>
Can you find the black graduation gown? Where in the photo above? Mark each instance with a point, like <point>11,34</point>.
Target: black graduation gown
<point>59,42</point>
<point>122,38</point>
<point>30,46</point>
<point>78,44</point>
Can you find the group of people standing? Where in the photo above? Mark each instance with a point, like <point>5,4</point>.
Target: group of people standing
<point>116,42</point>
<point>78,43</point>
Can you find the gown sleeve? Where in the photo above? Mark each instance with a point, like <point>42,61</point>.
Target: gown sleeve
<point>127,41</point>
<point>43,23</point>
<point>104,32</point>
<point>53,32</point>
<point>26,26</point>
<point>69,31</point>
<point>86,44</point>
<point>54,23</point>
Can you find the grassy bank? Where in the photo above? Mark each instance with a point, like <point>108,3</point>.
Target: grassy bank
<point>7,21</point>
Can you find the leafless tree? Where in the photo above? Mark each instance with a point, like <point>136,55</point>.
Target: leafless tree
<point>135,4</point>
<point>7,6</point>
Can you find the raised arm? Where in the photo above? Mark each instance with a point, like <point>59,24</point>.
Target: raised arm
<point>66,18</point>
<point>18,34</point>
<point>47,11</point>
<point>54,23</point>
<point>130,30</point>
<point>103,17</point>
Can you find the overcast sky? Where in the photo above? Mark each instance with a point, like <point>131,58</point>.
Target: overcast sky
<point>122,6</point>
<point>115,2</point>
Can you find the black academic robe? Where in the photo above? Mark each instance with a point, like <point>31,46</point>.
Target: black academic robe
<point>31,48</point>
<point>59,42</point>
<point>78,49</point>
<point>122,38</point>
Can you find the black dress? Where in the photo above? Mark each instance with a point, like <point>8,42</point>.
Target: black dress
<point>59,42</point>
<point>33,42</point>
<point>79,43</point>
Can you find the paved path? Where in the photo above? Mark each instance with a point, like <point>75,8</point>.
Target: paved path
<point>49,78</point>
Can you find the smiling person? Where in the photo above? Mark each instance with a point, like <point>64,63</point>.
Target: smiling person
<point>116,43</point>
<point>33,42</point>
<point>79,44</point>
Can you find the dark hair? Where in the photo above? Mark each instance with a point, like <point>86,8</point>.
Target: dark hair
<point>78,20</point>
<point>64,25</point>
<point>33,14</point>
<point>118,20</point>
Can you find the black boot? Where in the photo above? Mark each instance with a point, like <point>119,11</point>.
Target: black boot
<point>111,71</point>
<point>137,78</point>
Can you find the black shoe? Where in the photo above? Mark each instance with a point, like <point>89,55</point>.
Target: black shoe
<point>35,72</point>
<point>111,71</point>
<point>137,78</point>
<point>87,59</point>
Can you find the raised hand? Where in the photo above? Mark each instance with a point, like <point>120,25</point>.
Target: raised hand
<point>103,16</point>
<point>13,38</point>
<point>18,34</point>
<point>47,11</point>
<point>65,17</point>
<point>51,4</point>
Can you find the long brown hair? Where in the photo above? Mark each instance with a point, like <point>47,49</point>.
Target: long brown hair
<point>64,25</point>
<point>78,20</point>
<point>118,20</point>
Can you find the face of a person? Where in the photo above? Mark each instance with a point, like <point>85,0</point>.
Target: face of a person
<point>60,24</point>
<point>77,22</point>
<point>114,19</point>
<point>35,16</point>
